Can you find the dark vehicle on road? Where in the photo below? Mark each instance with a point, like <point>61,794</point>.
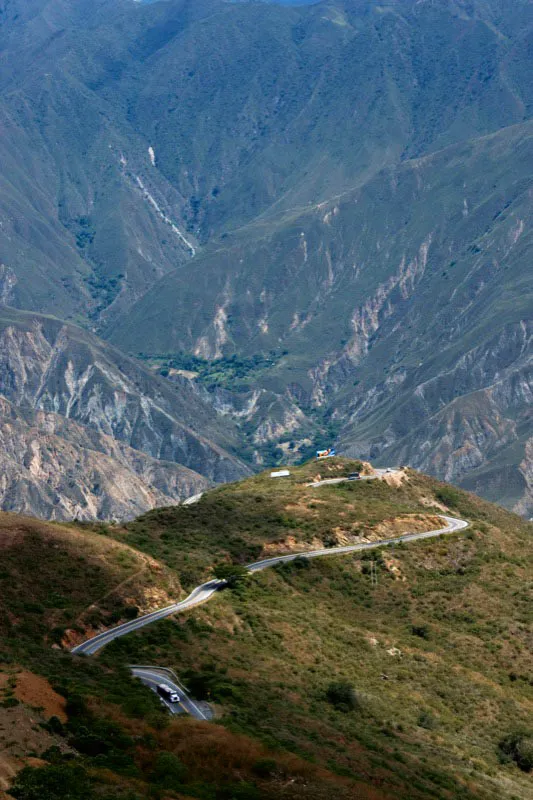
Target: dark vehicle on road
<point>169,694</point>
<point>354,476</point>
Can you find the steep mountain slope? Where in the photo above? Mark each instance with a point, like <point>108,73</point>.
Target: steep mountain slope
<point>396,673</point>
<point>309,183</point>
<point>137,121</point>
<point>87,432</point>
<point>263,105</point>
<point>57,469</point>
<point>401,310</point>
<point>88,223</point>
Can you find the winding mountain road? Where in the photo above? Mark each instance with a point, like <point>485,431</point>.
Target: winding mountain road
<point>206,590</point>
<point>197,596</point>
<point>153,676</point>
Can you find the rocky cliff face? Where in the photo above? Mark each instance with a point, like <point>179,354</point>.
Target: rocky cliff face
<point>401,313</point>
<point>54,468</point>
<point>470,425</point>
<point>85,432</point>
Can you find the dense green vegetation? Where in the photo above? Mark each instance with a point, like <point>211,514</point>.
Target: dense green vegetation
<point>232,372</point>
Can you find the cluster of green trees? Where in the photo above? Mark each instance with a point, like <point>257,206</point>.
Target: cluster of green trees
<point>230,372</point>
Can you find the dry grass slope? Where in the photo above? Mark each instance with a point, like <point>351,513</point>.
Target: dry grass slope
<point>325,684</point>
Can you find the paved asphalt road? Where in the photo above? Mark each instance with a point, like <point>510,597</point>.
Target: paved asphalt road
<point>207,590</point>
<point>197,596</point>
<point>153,676</point>
<point>452,526</point>
<point>190,501</point>
<point>379,473</point>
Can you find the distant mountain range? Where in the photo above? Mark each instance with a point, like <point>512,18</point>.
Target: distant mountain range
<point>337,196</point>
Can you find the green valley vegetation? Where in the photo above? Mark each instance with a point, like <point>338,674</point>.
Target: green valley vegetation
<point>232,372</point>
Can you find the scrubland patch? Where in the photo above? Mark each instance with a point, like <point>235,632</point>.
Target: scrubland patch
<point>407,633</point>
<point>21,739</point>
<point>442,612</point>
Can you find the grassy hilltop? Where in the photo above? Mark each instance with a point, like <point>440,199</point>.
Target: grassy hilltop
<point>324,684</point>
<point>244,521</point>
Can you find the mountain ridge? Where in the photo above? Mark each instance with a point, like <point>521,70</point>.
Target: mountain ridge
<point>88,432</point>
<point>213,180</point>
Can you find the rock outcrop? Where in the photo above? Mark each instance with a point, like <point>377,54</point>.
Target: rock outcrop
<point>86,432</point>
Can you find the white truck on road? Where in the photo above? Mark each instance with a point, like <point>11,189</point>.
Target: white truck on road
<point>169,694</point>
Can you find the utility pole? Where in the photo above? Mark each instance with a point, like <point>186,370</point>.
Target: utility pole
<point>373,573</point>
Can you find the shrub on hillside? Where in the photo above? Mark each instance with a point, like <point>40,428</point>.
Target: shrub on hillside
<point>233,574</point>
<point>518,747</point>
<point>56,782</point>
<point>448,495</point>
<point>211,684</point>
<point>342,696</point>
<point>298,563</point>
<point>420,630</point>
<point>426,720</point>
<point>265,768</point>
<point>169,772</point>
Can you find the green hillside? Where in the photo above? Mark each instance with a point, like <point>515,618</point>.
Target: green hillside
<point>436,654</point>
<point>390,673</point>
<point>79,729</point>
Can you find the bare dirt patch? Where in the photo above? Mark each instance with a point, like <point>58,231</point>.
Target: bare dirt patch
<point>431,501</point>
<point>410,523</point>
<point>303,507</point>
<point>20,734</point>
<point>392,565</point>
<point>33,690</point>
<point>395,479</point>
<point>290,545</point>
<point>388,529</point>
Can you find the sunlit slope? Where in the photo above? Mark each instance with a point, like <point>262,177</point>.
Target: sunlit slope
<point>262,516</point>
<point>432,637</point>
